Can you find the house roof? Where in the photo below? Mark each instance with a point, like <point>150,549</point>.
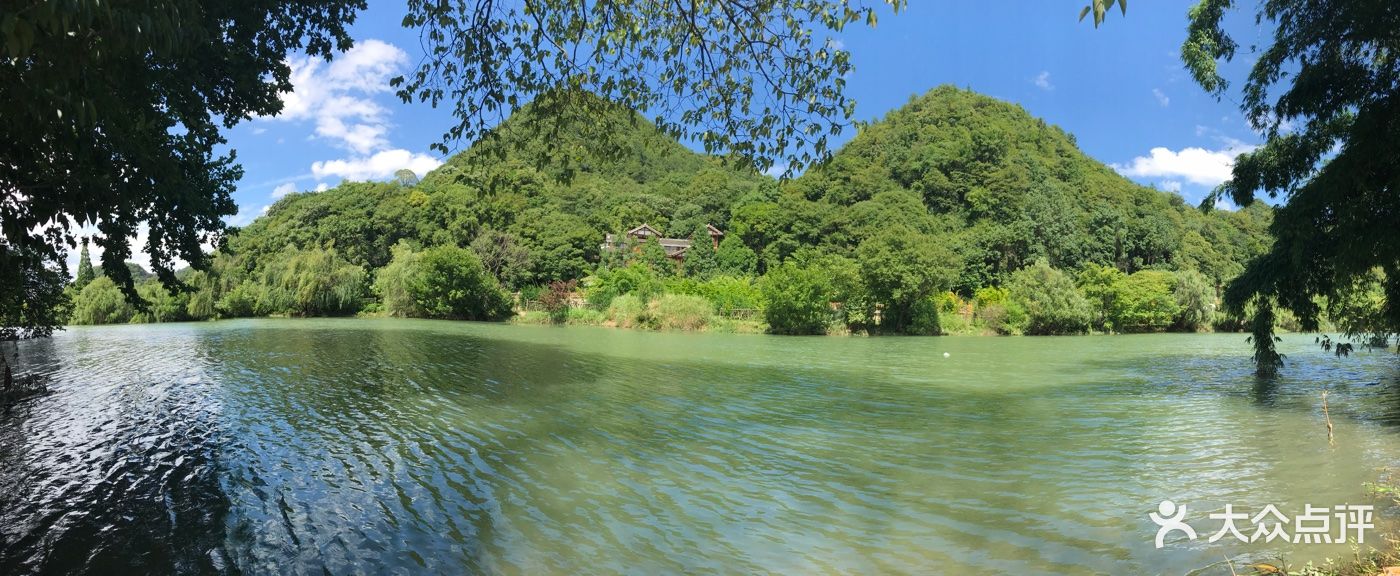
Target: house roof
<point>714,231</point>
<point>643,230</point>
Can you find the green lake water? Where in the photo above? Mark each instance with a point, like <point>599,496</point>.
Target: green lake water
<point>390,446</point>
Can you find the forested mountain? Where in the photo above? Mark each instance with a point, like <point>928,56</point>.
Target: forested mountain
<point>953,192</point>
<point>1007,189</point>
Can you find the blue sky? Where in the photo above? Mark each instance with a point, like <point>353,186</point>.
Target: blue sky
<point>1120,89</point>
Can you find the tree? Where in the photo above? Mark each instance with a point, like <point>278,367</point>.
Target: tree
<point>700,261</point>
<point>310,282</point>
<point>1195,298</point>
<point>112,117</point>
<point>1144,301</point>
<point>85,272</point>
<point>1099,284</point>
<point>101,302</point>
<point>796,299</point>
<point>454,285</point>
<point>900,268</point>
<point>32,300</point>
<point>396,282</point>
<point>1323,92</point>
<point>406,178</point>
<point>734,258</point>
<point>561,246</point>
<point>503,256</point>
<point>653,256</point>
<point>1359,309</point>
<point>760,81</point>
<point>1052,303</point>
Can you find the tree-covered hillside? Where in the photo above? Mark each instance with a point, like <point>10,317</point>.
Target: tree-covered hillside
<point>941,208</point>
<point>1010,189</point>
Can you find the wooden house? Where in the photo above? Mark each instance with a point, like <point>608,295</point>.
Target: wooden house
<point>675,247</point>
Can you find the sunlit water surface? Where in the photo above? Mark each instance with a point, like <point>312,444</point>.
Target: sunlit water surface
<point>365,446</point>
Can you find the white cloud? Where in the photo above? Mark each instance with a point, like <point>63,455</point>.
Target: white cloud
<point>322,187</point>
<point>1161,98</point>
<point>1195,165</point>
<point>338,95</point>
<point>244,216</point>
<point>1170,185</point>
<point>1042,81</point>
<point>283,190</point>
<point>259,130</point>
<point>378,166</point>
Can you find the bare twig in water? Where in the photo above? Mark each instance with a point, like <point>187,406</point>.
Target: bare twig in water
<point>1330,440</point>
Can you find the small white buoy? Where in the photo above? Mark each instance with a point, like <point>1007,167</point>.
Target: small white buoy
<point>945,354</point>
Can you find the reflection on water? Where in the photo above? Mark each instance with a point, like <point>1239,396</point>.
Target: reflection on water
<point>402,446</point>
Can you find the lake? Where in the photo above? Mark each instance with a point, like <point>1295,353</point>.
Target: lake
<point>397,446</point>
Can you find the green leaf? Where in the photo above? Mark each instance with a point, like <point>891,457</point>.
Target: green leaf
<point>1083,13</point>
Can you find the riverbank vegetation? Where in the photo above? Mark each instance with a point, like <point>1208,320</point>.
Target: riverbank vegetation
<point>957,213</point>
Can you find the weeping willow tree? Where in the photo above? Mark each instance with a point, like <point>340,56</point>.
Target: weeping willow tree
<point>313,282</point>
<point>1325,91</point>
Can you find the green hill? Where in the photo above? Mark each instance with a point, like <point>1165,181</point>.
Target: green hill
<point>955,191</point>
<point>1013,189</point>
<point>556,206</point>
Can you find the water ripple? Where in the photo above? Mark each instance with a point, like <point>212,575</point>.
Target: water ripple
<point>431,447</point>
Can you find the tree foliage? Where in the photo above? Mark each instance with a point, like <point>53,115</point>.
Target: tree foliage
<point>797,299</point>
<point>441,282</point>
<point>760,81</point>
<point>85,271</point>
<point>112,117</point>
<point>1322,88</point>
<point>1050,300</point>
<point>901,269</point>
<point>454,285</point>
<point>32,297</point>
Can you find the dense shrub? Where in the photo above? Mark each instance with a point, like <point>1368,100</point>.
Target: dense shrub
<point>924,318</point>
<point>1050,300</point>
<point>609,283</point>
<point>995,318</point>
<point>731,293</point>
<point>796,299</point>
<point>991,296</point>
